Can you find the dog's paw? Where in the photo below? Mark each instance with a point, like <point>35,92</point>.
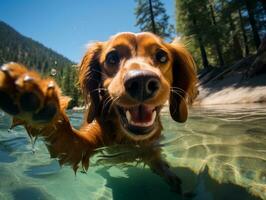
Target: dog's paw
<point>174,182</point>
<point>25,95</point>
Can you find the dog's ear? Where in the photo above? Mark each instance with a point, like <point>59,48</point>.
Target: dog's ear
<point>183,86</point>
<point>90,79</point>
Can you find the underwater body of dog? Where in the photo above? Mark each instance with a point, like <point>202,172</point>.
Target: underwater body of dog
<point>125,81</point>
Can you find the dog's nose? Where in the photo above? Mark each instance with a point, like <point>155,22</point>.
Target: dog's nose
<point>141,84</point>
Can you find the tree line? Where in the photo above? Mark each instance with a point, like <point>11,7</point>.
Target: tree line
<point>217,32</point>
<point>18,48</point>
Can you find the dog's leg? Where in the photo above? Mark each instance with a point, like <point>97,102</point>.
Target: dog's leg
<point>38,104</point>
<point>162,168</point>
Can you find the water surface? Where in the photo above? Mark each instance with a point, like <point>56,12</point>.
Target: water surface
<point>220,153</point>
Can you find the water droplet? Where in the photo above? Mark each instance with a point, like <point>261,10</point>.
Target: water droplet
<point>33,142</point>
<point>53,72</point>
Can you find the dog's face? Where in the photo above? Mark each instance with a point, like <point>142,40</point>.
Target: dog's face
<point>134,75</point>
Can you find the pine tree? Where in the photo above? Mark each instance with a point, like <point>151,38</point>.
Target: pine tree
<point>151,16</point>
<point>250,9</point>
<point>217,30</point>
<point>223,31</point>
<point>193,20</point>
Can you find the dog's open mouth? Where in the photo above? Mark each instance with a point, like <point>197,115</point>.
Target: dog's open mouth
<point>138,120</point>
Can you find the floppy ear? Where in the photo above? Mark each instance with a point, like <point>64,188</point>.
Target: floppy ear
<point>183,83</point>
<point>90,79</point>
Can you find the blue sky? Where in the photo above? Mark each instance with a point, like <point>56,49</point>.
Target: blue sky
<point>68,25</point>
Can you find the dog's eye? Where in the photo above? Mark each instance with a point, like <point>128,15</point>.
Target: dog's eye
<point>161,56</point>
<point>112,58</point>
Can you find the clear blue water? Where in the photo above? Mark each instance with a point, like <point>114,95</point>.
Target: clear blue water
<point>220,153</point>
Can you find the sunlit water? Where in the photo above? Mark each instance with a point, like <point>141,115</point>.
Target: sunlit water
<point>220,153</point>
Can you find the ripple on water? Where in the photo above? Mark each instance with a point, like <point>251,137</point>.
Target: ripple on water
<point>39,171</point>
<point>6,158</point>
<point>228,141</point>
<point>31,193</point>
<point>257,133</point>
<point>14,143</point>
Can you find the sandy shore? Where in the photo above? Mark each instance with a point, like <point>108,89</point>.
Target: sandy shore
<point>233,90</point>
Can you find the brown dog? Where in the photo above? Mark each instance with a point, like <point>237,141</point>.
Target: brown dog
<point>125,81</point>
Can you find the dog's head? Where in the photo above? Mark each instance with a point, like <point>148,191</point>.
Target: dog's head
<point>134,75</point>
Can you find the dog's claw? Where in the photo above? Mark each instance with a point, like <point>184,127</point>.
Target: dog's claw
<point>27,78</point>
<point>4,68</point>
<point>51,85</point>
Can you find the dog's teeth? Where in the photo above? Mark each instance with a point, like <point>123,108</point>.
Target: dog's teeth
<point>153,116</point>
<point>144,124</point>
<point>128,115</point>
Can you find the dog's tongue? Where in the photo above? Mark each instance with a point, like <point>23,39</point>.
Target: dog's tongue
<point>141,114</point>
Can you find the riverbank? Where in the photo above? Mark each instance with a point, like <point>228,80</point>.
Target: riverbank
<point>233,90</point>
<point>243,82</point>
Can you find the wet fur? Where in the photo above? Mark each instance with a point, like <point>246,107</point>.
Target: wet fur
<point>102,89</point>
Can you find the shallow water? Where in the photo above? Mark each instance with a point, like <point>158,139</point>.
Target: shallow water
<point>220,153</point>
